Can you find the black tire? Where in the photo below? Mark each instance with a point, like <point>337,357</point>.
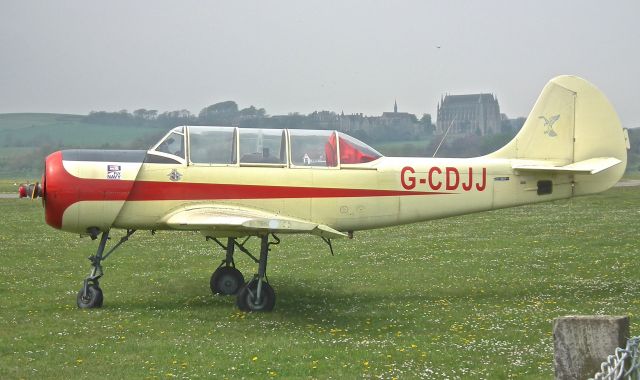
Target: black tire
<point>93,299</point>
<point>246,298</point>
<point>101,298</point>
<point>226,281</point>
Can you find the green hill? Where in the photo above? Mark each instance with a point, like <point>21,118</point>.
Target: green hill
<point>26,138</point>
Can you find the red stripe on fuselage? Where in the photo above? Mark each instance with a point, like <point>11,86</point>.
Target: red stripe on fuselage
<point>160,191</point>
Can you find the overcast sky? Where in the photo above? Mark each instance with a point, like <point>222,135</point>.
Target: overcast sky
<point>301,56</point>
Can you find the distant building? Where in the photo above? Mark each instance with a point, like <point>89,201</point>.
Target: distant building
<point>395,116</point>
<point>404,121</point>
<point>354,122</point>
<point>475,114</point>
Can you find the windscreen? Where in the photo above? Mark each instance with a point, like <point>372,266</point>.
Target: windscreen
<point>173,143</point>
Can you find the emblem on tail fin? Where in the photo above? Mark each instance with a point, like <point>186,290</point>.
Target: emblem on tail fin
<point>549,124</point>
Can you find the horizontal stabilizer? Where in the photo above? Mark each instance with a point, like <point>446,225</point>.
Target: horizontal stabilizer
<point>590,166</point>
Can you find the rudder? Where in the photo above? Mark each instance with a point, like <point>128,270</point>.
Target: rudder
<point>572,121</point>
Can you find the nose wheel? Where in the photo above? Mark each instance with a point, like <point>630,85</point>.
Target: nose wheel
<point>91,298</point>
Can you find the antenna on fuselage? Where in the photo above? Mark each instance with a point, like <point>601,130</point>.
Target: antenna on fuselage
<point>444,137</point>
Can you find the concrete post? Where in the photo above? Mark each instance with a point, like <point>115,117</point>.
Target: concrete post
<point>582,343</point>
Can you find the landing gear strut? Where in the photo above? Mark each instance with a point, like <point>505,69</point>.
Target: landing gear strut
<point>90,296</point>
<point>226,279</point>
<point>257,294</point>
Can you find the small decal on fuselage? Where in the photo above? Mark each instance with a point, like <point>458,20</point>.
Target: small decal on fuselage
<point>438,179</point>
<point>175,175</point>
<point>114,172</point>
<point>501,179</point>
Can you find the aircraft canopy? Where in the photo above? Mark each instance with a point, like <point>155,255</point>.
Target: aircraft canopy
<point>248,146</point>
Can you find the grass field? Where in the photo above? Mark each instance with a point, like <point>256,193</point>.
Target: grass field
<point>401,148</point>
<point>466,297</point>
<point>7,186</point>
<point>31,129</point>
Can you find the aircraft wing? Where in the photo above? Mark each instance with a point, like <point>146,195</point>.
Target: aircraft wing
<point>590,166</point>
<point>228,220</point>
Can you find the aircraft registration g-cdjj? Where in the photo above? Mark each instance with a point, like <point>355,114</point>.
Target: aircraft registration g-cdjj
<point>237,183</point>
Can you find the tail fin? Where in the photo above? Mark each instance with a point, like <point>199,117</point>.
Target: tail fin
<point>571,123</point>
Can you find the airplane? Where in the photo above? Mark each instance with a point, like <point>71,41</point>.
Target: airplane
<point>26,190</point>
<point>235,183</point>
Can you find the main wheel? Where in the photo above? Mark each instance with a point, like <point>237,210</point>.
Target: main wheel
<point>246,299</point>
<point>92,299</point>
<point>226,281</point>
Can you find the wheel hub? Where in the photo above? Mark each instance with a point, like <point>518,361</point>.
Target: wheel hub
<point>252,299</point>
<point>229,284</point>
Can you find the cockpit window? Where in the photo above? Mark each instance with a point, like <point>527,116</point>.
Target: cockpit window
<point>352,150</point>
<point>308,148</point>
<point>173,143</point>
<point>263,146</point>
<point>212,145</point>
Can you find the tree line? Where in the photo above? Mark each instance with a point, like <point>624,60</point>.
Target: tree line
<point>228,113</point>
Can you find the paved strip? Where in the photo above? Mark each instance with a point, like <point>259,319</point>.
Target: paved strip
<point>628,182</point>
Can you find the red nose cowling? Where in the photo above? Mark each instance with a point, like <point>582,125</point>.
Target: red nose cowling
<point>60,190</point>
